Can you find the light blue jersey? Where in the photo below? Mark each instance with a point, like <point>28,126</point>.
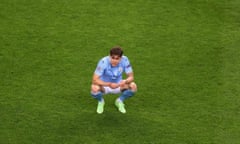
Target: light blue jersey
<point>108,73</point>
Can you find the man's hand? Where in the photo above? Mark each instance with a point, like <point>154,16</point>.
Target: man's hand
<point>114,85</point>
<point>122,83</point>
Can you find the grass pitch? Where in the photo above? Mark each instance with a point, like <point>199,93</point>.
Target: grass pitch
<point>184,54</point>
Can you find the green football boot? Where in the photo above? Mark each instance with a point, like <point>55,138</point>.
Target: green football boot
<point>120,106</point>
<point>100,107</point>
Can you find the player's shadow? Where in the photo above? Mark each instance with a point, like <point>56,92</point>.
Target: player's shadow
<point>113,119</point>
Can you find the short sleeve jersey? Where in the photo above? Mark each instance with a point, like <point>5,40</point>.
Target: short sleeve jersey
<point>108,73</point>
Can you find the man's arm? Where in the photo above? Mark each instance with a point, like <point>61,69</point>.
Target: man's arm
<point>97,81</point>
<point>128,80</point>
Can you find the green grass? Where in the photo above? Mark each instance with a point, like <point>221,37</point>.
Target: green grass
<point>185,56</point>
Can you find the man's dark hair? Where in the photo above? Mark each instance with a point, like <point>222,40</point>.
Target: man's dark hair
<point>117,50</point>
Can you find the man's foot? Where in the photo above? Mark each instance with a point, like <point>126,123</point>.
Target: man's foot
<point>100,107</point>
<point>120,106</point>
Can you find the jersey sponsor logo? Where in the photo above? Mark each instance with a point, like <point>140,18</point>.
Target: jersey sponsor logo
<point>120,69</point>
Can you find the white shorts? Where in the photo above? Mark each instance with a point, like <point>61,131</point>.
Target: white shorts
<point>108,90</point>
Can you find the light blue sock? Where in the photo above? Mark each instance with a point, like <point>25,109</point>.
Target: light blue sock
<point>126,94</point>
<point>98,96</point>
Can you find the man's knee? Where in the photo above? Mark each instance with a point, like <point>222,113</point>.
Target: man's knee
<point>133,86</point>
<point>95,88</point>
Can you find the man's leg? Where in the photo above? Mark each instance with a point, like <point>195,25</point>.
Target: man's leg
<point>97,94</point>
<point>126,93</point>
